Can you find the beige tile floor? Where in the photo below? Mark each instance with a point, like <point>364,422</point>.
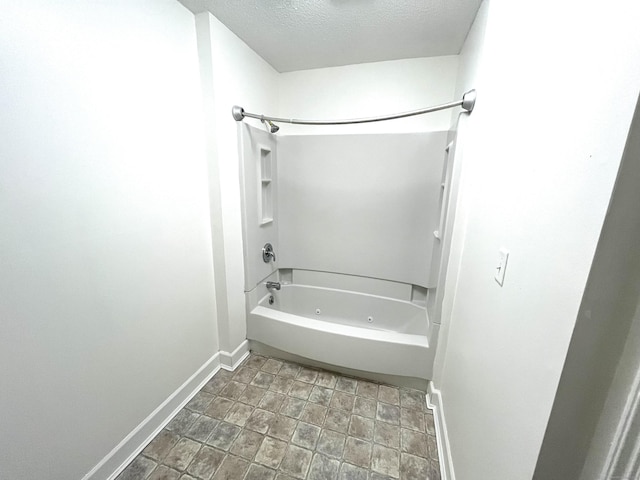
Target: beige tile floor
<point>276,420</point>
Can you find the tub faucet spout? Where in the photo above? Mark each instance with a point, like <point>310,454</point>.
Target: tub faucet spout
<point>271,285</point>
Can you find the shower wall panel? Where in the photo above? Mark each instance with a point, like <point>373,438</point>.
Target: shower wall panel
<point>259,185</point>
<point>360,204</point>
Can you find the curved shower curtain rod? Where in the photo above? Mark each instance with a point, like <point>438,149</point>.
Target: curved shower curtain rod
<point>467,103</point>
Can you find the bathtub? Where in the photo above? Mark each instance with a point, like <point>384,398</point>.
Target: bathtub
<point>371,333</point>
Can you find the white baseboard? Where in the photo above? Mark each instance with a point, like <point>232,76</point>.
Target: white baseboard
<point>115,461</point>
<point>230,361</point>
<point>434,402</point>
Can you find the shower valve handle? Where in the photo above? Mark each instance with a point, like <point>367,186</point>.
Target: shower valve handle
<point>267,253</point>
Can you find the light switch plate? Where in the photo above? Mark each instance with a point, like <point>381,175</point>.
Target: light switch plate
<point>503,257</point>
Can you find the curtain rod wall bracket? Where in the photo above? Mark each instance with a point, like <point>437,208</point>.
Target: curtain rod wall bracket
<point>467,103</point>
<point>238,113</point>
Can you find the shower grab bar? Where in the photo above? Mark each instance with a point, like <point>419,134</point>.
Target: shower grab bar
<point>467,103</point>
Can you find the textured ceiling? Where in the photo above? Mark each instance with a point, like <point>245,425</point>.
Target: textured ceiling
<point>302,34</point>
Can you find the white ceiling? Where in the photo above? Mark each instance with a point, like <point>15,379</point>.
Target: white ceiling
<point>302,34</point>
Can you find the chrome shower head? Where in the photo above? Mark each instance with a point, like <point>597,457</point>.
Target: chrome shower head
<point>273,128</point>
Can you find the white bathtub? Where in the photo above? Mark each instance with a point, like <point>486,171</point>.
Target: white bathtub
<point>345,328</point>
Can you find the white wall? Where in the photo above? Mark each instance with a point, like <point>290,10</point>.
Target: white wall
<point>612,430</point>
<point>232,74</point>
<point>106,263</point>
<point>540,158</point>
<point>369,89</point>
<point>607,312</point>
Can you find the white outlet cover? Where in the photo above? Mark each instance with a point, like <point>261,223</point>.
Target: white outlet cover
<point>503,257</point>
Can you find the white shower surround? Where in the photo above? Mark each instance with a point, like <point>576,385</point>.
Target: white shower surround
<point>353,228</point>
<point>333,326</point>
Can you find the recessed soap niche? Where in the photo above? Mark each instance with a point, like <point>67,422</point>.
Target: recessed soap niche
<point>266,187</point>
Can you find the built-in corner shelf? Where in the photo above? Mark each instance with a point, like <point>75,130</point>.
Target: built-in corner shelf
<point>266,187</point>
<point>444,194</point>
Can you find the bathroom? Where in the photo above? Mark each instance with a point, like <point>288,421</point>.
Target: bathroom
<point>122,253</point>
